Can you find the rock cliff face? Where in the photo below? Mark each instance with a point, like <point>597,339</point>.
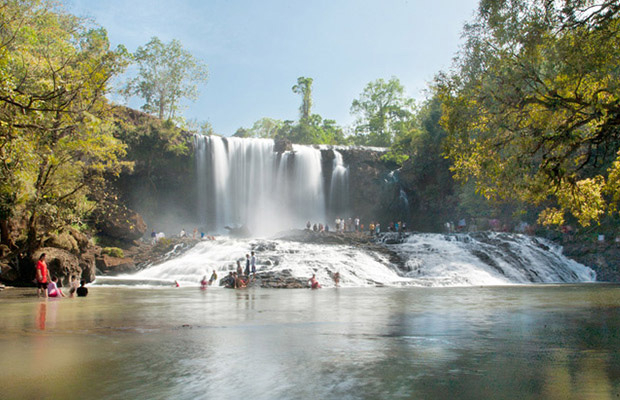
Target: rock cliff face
<point>64,264</point>
<point>374,196</point>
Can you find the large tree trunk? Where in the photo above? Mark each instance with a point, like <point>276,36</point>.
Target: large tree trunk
<point>5,233</point>
<point>32,241</point>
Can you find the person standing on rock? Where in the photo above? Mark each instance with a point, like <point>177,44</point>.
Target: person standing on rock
<point>213,277</point>
<point>42,276</point>
<point>357,224</point>
<point>253,263</point>
<point>247,265</point>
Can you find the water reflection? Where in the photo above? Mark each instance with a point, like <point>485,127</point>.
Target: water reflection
<point>41,316</point>
<point>518,342</point>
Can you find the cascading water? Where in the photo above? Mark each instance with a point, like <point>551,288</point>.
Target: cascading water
<point>339,188</point>
<point>245,182</point>
<point>431,260</point>
<point>487,258</point>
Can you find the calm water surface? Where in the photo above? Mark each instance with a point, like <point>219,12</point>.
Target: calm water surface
<point>519,342</point>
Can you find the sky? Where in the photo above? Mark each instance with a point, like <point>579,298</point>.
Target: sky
<point>256,50</point>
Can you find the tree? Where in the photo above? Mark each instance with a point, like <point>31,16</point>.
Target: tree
<point>310,129</point>
<point>383,111</point>
<point>304,88</point>
<point>266,128</point>
<point>55,131</point>
<point>167,73</point>
<point>533,106</point>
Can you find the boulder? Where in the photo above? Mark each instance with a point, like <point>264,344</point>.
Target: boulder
<point>63,241</point>
<point>81,239</point>
<point>60,262</point>
<point>8,273</point>
<point>87,264</point>
<point>115,265</point>
<point>281,145</point>
<point>123,224</point>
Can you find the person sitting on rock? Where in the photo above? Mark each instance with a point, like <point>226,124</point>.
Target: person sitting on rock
<point>229,281</point>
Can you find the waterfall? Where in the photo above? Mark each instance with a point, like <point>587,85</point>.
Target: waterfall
<point>245,182</point>
<point>339,188</point>
<point>487,258</point>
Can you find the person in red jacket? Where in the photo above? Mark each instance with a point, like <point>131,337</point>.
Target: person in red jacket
<point>43,276</point>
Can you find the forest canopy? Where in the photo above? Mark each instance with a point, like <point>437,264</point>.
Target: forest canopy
<point>532,107</point>
<point>55,135</point>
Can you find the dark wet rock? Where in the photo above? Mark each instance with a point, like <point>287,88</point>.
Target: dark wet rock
<point>372,195</point>
<point>603,258</point>
<point>281,145</point>
<point>240,232</point>
<point>263,247</point>
<point>279,280</point>
<point>109,265</point>
<point>60,262</point>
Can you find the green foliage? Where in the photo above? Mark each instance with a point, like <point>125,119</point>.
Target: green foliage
<point>113,252</point>
<point>265,128</point>
<point>55,134</point>
<point>311,128</point>
<point>532,108</point>
<point>383,113</point>
<point>167,73</point>
<point>304,88</point>
<point>155,146</point>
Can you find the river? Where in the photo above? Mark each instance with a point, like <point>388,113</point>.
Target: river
<point>526,342</point>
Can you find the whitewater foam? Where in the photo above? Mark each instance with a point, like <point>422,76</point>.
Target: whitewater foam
<point>431,260</point>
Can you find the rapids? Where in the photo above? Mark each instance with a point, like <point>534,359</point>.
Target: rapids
<point>429,260</point>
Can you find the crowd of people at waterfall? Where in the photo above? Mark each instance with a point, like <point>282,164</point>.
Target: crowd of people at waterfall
<point>48,285</point>
<point>342,225</point>
<point>241,277</point>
